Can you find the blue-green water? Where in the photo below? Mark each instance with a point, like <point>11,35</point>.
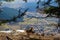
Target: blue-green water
<point>10,9</point>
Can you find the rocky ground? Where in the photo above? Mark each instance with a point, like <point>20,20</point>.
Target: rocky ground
<point>26,36</point>
<point>46,25</point>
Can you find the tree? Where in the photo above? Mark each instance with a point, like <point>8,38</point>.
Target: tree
<point>52,10</point>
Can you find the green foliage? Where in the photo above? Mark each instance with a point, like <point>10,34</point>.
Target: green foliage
<point>52,9</point>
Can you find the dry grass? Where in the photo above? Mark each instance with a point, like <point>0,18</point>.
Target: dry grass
<point>24,36</point>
